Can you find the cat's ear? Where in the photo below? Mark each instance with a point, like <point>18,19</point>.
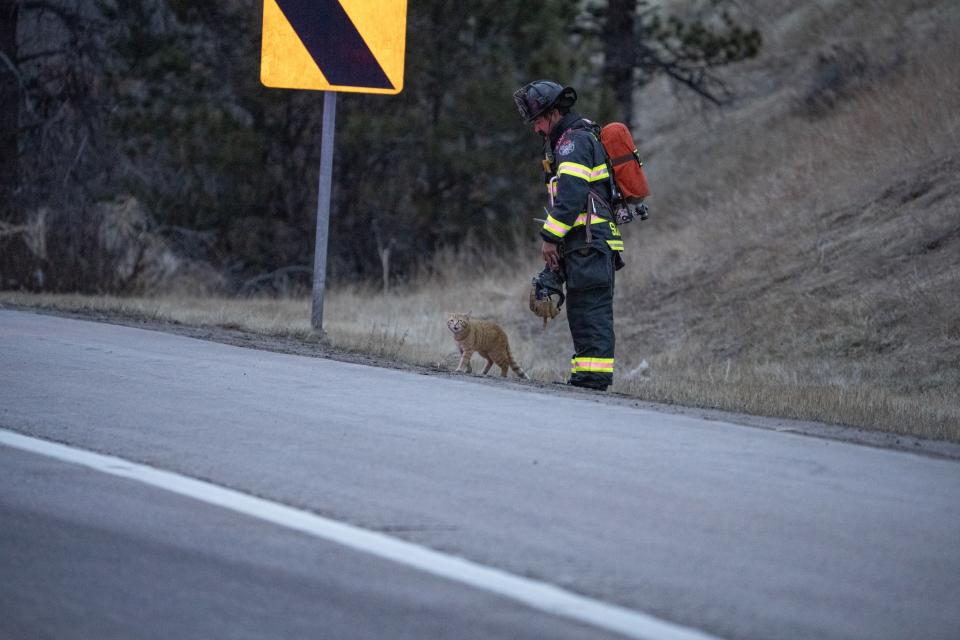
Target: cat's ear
<point>469,314</point>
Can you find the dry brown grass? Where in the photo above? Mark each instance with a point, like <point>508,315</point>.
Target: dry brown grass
<point>817,258</point>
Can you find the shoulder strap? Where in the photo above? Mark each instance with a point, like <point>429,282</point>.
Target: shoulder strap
<point>594,129</point>
<point>587,125</point>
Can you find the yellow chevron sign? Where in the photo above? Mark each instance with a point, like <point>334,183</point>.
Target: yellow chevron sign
<point>334,45</point>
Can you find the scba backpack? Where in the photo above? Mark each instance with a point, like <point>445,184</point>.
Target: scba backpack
<point>627,179</point>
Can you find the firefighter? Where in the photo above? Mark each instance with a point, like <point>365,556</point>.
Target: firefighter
<point>580,240</point>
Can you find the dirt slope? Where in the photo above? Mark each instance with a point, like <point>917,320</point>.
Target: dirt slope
<point>808,234</point>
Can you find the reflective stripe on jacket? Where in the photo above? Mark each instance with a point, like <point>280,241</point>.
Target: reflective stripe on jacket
<point>580,168</point>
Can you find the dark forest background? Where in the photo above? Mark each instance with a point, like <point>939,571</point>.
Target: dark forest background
<point>140,153</point>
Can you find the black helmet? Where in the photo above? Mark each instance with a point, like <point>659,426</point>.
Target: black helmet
<point>540,95</point>
<point>549,283</point>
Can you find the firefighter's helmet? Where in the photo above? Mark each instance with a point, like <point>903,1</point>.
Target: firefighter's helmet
<point>545,287</point>
<point>539,96</point>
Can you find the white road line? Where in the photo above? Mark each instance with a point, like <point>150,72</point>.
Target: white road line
<point>535,594</point>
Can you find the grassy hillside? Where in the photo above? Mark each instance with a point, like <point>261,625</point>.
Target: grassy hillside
<point>808,242</point>
<point>803,254</point>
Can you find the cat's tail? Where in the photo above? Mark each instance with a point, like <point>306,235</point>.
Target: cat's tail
<point>516,368</point>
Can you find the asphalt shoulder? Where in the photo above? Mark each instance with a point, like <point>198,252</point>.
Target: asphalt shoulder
<point>319,347</point>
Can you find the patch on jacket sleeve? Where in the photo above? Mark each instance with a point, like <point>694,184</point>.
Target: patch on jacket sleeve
<point>565,147</point>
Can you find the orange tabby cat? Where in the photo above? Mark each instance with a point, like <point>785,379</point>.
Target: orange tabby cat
<point>486,338</point>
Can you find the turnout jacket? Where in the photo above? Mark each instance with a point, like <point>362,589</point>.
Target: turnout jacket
<point>578,167</point>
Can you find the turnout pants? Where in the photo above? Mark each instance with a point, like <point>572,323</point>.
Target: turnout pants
<point>590,280</point>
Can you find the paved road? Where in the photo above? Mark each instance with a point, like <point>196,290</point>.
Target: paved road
<point>88,555</point>
<point>740,532</point>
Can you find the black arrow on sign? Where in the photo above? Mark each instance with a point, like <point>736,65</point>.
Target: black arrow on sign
<point>334,43</point>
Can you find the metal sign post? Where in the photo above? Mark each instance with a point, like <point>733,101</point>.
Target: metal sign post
<point>323,209</point>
